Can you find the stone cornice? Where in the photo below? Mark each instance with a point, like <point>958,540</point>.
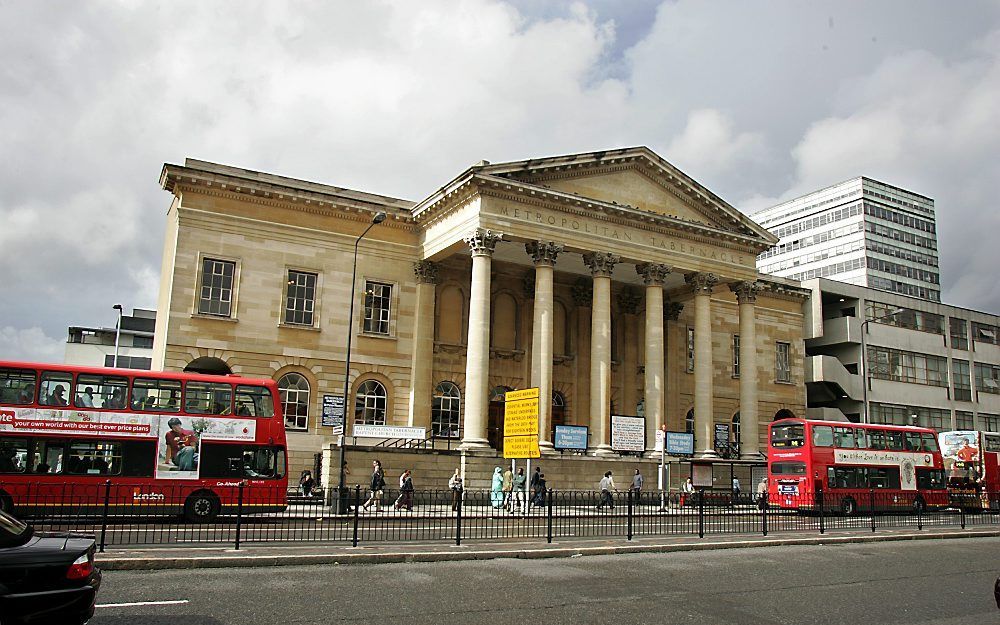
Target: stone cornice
<point>783,291</point>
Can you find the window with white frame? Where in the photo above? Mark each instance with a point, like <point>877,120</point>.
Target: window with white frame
<point>378,304</point>
<point>689,422</point>
<point>370,403</point>
<point>987,378</point>
<point>294,391</point>
<point>960,379</point>
<point>217,282</point>
<point>690,350</point>
<point>989,422</point>
<point>446,410</point>
<point>300,298</point>
<point>736,355</point>
<point>734,443</point>
<point>782,366</point>
<point>964,420</point>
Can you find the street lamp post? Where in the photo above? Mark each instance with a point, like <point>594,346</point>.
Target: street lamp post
<point>864,361</point>
<point>341,490</point>
<point>118,331</point>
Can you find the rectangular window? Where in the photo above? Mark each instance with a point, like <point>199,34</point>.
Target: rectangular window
<point>129,362</point>
<point>14,455</point>
<point>55,388</point>
<point>17,386</point>
<point>985,333</point>
<point>736,355</point>
<point>989,422</point>
<point>156,395</point>
<point>221,460</point>
<point>208,398</point>
<point>300,298</point>
<point>93,458</point>
<point>960,378</point>
<point>822,436</point>
<point>100,391</point>
<point>782,368</point>
<point>987,378</point>
<point>964,420</point>
<point>253,401</point>
<point>899,366</point>
<point>788,435</point>
<point>876,439</point>
<point>217,279</point>
<point>690,350</point>
<point>959,333</point>
<point>844,437</point>
<point>378,301</point>
<point>143,342</point>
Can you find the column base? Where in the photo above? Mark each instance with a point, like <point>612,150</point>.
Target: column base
<point>604,451</point>
<point>547,448</point>
<point>753,455</point>
<point>707,454</point>
<point>474,444</point>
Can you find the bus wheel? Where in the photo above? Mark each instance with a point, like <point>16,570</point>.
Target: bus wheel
<point>848,507</point>
<point>919,505</point>
<point>201,506</point>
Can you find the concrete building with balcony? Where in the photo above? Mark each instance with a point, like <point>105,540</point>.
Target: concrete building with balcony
<point>923,363</point>
<point>95,346</point>
<point>862,232</point>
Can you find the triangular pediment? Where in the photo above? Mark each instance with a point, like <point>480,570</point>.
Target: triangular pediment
<point>632,177</point>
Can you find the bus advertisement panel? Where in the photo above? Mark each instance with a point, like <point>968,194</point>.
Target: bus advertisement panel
<point>972,466</point>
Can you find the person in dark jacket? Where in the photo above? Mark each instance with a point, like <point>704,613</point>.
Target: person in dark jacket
<point>405,499</point>
<point>377,487</point>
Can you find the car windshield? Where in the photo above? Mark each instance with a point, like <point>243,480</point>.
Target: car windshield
<point>12,531</point>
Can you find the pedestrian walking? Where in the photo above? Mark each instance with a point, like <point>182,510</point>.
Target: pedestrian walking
<point>497,494</point>
<point>736,488</point>
<point>637,482</point>
<point>405,499</point>
<point>540,489</point>
<point>306,483</point>
<point>762,493</point>
<point>517,492</point>
<point>455,484</point>
<point>607,485</point>
<point>687,491</point>
<point>508,486</point>
<point>376,487</point>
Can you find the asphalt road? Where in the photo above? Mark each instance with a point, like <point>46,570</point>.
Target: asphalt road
<point>929,582</point>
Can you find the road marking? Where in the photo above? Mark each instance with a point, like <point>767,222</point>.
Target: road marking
<point>137,603</point>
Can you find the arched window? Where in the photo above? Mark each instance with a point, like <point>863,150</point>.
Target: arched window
<point>689,422</point>
<point>734,443</point>
<point>446,410</point>
<point>294,391</point>
<point>558,409</point>
<point>369,403</point>
<point>784,413</point>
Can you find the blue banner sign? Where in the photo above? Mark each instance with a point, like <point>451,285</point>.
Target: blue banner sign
<point>572,437</point>
<point>680,443</point>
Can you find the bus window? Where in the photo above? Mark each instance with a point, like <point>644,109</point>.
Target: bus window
<point>876,439</point>
<point>17,386</point>
<point>208,398</point>
<point>894,440</point>
<point>94,458</point>
<point>930,442</point>
<point>14,455</point>
<point>228,461</point>
<point>861,438</point>
<point>55,389</point>
<point>254,401</point>
<point>930,479</point>
<point>156,395</point>
<point>845,477</point>
<point>883,477</point>
<point>913,442</point>
<point>788,468</point>
<point>100,391</point>
<point>788,435</point>
<point>51,455</point>
<point>844,437</point>
<point>138,458</point>
<point>822,435</point>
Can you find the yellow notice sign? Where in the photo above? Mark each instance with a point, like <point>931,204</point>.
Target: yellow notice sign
<point>527,393</point>
<point>521,447</point>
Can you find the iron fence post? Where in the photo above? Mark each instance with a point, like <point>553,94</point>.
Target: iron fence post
<point>920,518</point>
<point>458,519</point>
<point>763,513</point>
<point>357,504</point>
<point>548,515</point>
<point>961,510</point>
<point>104,515</point>
<point>701,513</point>
<point>629,530</point>
<point>239,512</point>
<point>871,500</point>
<point>822,511</point>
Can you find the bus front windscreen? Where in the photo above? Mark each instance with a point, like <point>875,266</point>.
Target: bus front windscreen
<point>793,435</point>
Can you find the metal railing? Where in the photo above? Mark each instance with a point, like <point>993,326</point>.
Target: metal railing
<point>237,513</point>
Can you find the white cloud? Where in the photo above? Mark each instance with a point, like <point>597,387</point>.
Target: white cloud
<point>711,145</point>
<point>30,344</point>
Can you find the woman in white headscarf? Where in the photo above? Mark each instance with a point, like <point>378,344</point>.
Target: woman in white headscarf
<point>496,491</point>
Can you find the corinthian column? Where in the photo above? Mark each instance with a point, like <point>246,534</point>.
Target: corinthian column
<point>543,254</point>
<point>477,361</point>
<point>653,276</point>
<point>746,296</point>
<point>601,264</point>
<point>702,285</point>
<point>421,360</point>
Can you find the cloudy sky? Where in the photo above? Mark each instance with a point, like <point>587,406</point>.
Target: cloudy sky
<point>760,101</point>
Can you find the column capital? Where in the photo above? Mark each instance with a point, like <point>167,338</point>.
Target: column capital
<point>672,310</point>
<point>543,252</point>
<point>602,264</point>
<point>746,291</point>
<point>426,272</point>
<point>482,241</point>
<point>628,301</point>
<point>652,274</point>
<point>701,283</point>
<point>583,292</point>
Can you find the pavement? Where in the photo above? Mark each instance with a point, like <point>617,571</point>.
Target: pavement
<point>297,553</point>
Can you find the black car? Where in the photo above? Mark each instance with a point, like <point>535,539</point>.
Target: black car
<point>45,578</point>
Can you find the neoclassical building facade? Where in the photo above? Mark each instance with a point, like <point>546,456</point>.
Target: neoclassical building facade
<point>612,281</point>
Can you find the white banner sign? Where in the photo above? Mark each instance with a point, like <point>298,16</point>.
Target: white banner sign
<point>389,431</point>
<point>628,433</point>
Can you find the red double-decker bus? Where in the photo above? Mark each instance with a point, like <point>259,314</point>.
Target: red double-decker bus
<point>169,442</point>
<point>847,462</point>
